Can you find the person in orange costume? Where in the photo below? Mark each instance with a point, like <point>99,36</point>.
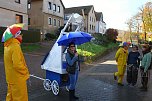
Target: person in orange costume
<point>121,59</point>
<point>16,70</point>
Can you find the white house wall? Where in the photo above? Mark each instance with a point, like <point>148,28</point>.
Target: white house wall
<point>12,5</point>
<point>8,11</point>
<point>47,10</point>
<point>97,27</point>
<point>8,18</point>
<point>104,27</point>
<point>90,22</point>
<point>100,27</point>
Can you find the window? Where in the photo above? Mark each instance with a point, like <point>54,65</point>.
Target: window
<point>49,5</point>
<point>50,21</point>
<point>58,9</point>
<point>18,1</point>
<point>59,23</point>
<point>54,7</point>
<point>19,18</point>
<point>54,22</point>
<point>66,17</point>
<point>90,18</point>
<point>90,27</point>
<point>29,5</point>
<point>29,21</point>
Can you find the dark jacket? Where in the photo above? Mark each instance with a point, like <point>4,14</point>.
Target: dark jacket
<point>71,59</point>
<point>133,58</point>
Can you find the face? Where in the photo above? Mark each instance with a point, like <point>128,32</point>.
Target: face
<point>143,48</point>
<point>126,47</point>
<point>72,47</point>
<point>19,38</point>
<point>134,48</point>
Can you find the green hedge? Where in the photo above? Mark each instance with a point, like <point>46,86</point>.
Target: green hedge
<point>29,36</point>
<point>2,29</point>
<point>1,49</point>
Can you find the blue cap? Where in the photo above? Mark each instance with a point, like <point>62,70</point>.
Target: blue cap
<point>125,44</point>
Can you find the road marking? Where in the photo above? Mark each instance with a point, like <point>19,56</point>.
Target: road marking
<point>109,62</point>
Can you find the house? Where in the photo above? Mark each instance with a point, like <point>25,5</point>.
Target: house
<point>13,11</point>
<point>100,24</point>
<point>88,14</point>
<point>45,15</point>
<point>77,21</point>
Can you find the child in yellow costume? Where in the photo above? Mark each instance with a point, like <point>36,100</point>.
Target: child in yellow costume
<point>16,70</point>
<point>121,59</point>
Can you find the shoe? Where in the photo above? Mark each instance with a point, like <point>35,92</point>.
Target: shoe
<point>141,87</point>
<point>132,86</point>
<point>144,89</point>
<point>120,84</point>
<point>129,84</point>
<point>115,77</point>
<point>75,97</point>
<point>72,96</point>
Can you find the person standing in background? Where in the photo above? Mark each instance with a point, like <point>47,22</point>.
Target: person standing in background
<point>145,66</point>
<point>133,65</point>
<point>121,59</point>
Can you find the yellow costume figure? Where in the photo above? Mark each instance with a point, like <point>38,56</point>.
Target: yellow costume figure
<point>16,71</point>
<point>121,59</point>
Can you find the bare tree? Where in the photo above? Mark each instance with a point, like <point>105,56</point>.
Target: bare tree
<point>130,26</point>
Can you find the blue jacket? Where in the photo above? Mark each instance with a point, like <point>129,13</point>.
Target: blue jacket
<point>133,58</point>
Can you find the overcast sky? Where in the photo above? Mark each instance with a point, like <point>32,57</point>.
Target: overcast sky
<point>115,12</point>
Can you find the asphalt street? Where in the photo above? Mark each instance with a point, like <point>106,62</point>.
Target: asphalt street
<point>95,83</point>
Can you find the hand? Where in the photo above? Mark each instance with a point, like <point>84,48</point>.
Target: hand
<point>76,54</point>
<point>145,71</point>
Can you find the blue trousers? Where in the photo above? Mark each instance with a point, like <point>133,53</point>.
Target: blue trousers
<point>73,80</point>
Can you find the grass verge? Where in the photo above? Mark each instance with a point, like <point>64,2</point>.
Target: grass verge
<point>25,48</point>
<point>30,47</point>
<point>91,51</point>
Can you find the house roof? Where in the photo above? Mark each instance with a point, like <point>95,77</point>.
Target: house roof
<point>103,22</point>
<point>62,4</point>
<point>98,16</point>
<point>42,0</point>
<point>78,9</point>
